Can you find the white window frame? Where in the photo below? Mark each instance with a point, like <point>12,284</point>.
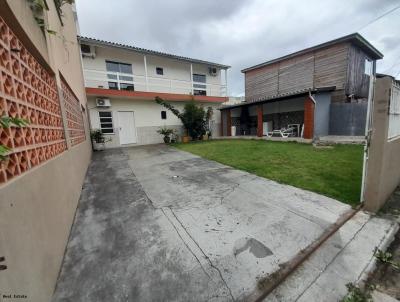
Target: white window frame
<point>112,122</point>
<point>394,113</point>
<point>119,76</point>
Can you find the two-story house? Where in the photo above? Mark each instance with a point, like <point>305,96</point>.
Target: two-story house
<point>318,91</point>
<point>122,82</point>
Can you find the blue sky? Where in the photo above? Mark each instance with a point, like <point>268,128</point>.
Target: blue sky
<point>242,33</point>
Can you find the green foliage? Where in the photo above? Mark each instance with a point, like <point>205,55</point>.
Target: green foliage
<point>194,118</point>
<point>7,122</point>
<point>59,4</point>
<point>355,294</point>
<point>97,136</point>
<point>334,172</point>
<point>386,257</point>
<point>165,131</point>
<point>4,150</point>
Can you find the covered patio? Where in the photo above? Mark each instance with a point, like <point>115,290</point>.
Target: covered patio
<point>294,116</point>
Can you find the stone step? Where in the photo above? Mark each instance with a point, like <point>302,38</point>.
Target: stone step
<point>346,257</point>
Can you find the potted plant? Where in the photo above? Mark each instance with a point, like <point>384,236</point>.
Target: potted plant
<point>98,140</point>
<point>167,133</point>
<point>206,135</point>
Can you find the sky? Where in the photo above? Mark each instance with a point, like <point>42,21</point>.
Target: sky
<point>242,33</point>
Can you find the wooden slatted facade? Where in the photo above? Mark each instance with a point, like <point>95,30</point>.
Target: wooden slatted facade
<point>338,63</point>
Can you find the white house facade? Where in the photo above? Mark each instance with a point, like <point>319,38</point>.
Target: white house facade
<point>122,83</point>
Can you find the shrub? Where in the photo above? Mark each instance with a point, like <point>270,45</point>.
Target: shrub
<point>194,118</point>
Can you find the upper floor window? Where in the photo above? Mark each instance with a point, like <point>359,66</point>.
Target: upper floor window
<point>118,67</point>
<point>198,87</point>
<point>119,76</point>
<point>159,70</point>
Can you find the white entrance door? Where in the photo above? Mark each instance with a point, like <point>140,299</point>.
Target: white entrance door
<point>127,131</point>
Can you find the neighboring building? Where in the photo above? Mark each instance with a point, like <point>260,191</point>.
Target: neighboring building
<point>324,89</point>
<point>234,100</point>
<point>122,82</point>
<point>41,80</point>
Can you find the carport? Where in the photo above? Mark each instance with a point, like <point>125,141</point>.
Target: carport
<point>307,112</point>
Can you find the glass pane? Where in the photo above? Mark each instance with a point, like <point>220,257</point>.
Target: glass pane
<point>125,86</point>
<point>125,78</point>
<point>107,130</point>
<point>112,76</point>
<point>125,68</point>
<point>199,78</point>
<point>199,92</point>
<point>105,120</point>
<point>104,113</point>
<point>112,85</point>
<point>163,115</point>
<point>112,66</point>
<point>159,70</point>
<point>199,86</point>
<point>106,125</point>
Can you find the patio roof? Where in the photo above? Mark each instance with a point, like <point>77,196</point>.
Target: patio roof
<point>280,97</point>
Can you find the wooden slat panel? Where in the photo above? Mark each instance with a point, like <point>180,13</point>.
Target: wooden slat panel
<point>298,75</point>
<point>261,84</point>
<point>331,66</point>
<point>357,80</point>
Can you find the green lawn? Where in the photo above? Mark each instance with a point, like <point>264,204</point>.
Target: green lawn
<point>334,172</point>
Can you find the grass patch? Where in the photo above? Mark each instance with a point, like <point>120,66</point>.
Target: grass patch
<point>334,172</point>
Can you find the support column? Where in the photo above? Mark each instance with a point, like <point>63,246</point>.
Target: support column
<point>228,122</point>
<point>309,107</point>
<point>145,72</point>
<point>191,78</point>
<point>259,120</point>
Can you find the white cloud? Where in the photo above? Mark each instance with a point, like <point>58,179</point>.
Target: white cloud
<point>241,33</point>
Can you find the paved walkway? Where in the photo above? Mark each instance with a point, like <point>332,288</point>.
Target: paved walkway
<point>158,224</point>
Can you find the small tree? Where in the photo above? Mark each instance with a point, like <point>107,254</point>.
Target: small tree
<point>194,118</point>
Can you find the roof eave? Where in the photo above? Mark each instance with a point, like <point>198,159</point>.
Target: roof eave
<point>102,43</point>
<point>372,51</point>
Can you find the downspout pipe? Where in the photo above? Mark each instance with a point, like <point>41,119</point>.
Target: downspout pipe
<point>315,109</point>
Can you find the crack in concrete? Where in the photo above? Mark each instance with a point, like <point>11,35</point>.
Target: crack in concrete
<point>330,262</point>
<point>229,192</point>
<point>184,242</point>
<point>205,256</point>
<point>194,241</point>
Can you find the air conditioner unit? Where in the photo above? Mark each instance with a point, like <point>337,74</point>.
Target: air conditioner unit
<point>212,71</point>
<point>88,51</point>
<point>103,102</point>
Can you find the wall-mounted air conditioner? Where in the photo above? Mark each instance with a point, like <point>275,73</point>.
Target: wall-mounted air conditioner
<point>88,51</point>
<point>103,102</point>
<point>212,71</point>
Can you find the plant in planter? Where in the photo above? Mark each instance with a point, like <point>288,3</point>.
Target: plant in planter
<point>167,133</point>
<point>194,118</point>
<point>98,139</point>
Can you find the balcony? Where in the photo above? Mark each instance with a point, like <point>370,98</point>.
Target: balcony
<point>135,82</point>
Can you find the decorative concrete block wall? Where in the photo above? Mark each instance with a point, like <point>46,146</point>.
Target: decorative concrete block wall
<point>28,91</point>
<point>75,126</point>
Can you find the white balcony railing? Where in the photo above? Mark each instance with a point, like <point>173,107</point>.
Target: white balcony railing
<point>102,79</point>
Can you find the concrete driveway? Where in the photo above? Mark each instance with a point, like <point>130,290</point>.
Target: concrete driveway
<point>158,224</point>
